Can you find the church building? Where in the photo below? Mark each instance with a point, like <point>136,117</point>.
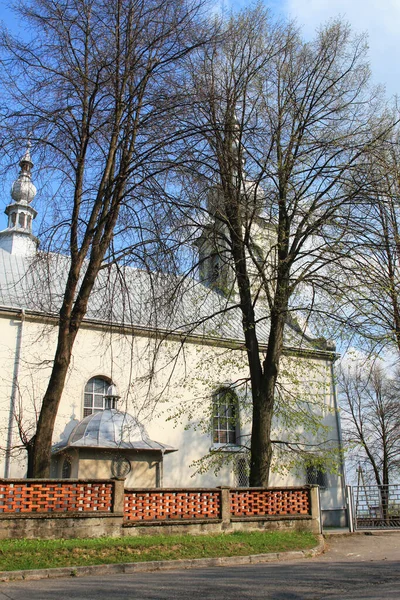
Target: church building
<point>158,388</point>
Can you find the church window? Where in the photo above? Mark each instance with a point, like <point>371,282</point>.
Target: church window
<point>215,268</point>
<point>21,220</point>
<point>95,390</point>
<point>316,476</point>
<point>120,466</point>
<point>242,472</point>
<point>258,256</point>
<point>66,468</point>
<point>13,218</point>
<point>225,417</point>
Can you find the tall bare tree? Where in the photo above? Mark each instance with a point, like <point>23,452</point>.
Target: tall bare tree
<point>370,275</point>
<point>370,403</point>
<point>93,85</point>
<point>282,126</point>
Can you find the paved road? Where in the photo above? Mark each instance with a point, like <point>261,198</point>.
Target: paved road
<point>353,568</point>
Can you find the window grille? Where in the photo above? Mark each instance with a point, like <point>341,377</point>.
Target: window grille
<point>225,413</point>
<point>242,472</point>
<point>316,476</point>
<point>95,390</point>
<point>66,468</point>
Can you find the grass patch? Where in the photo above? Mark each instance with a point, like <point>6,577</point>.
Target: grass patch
<point>40,554</point>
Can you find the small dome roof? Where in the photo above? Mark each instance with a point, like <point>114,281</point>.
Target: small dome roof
<point>23,190</point>
<point>111,428</point>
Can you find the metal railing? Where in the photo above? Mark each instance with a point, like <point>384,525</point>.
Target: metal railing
<point>376,507</point>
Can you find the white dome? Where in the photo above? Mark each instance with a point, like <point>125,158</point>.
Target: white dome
<point>23,190</point>
<point>111,428</point>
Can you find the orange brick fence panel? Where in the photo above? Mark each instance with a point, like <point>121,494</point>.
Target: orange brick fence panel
<point>264,503</point>
<point>48,496</point>
<point>171,505</point>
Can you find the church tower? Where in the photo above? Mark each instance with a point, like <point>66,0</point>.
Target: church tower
<point>17,238</point>
<point>213,246</point>
<point>259,233</point>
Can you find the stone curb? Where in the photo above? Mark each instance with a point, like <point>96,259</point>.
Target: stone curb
<point>162,565</point>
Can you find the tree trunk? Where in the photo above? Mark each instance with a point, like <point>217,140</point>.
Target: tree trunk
<point>29,449</point>
<point>261,446</point>
<point>263,404</point>
<point>41,455</point>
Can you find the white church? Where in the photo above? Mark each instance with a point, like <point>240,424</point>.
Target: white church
<point>156,393</point>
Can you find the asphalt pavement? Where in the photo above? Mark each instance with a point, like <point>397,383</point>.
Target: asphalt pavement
<point>358,567</point>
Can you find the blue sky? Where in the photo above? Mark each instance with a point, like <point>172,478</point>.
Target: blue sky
<point>381,22</point>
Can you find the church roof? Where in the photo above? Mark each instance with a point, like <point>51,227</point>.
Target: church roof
<point>125,296</point>
<point>132,297</point>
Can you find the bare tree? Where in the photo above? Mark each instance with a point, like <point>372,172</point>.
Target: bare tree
<point>370,409</point>
<point>264,131</point>
<point>282,126</point>
<point>369,298</point>
<point>93,84</point>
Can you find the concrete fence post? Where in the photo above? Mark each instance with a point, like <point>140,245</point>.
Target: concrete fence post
<point>118,496</point>
<point>315,508</point>
<point>350,508</point>
<point>225,505</point>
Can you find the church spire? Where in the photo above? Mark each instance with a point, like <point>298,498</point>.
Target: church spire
<point>18,237</point>
<point>23,191</point>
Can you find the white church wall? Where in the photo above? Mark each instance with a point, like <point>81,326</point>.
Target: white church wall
<point>174,404</point>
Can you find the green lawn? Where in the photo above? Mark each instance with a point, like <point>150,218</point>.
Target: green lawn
<point>38,554</point>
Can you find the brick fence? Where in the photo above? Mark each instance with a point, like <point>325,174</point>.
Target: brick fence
<point>171,505</point>
<point>93,508</point>
<point>44,496</point>
<point>213,504</point>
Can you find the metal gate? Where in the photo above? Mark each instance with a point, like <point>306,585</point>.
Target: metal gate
<point>376,507</point>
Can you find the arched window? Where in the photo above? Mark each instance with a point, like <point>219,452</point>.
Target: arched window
<point>225,417</point>
<point>95,390</point>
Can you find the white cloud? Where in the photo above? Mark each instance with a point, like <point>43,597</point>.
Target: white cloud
<point>380,20</point>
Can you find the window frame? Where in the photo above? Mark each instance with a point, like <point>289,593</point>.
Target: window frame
<point>93,408</point>
<point>225,422</point>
